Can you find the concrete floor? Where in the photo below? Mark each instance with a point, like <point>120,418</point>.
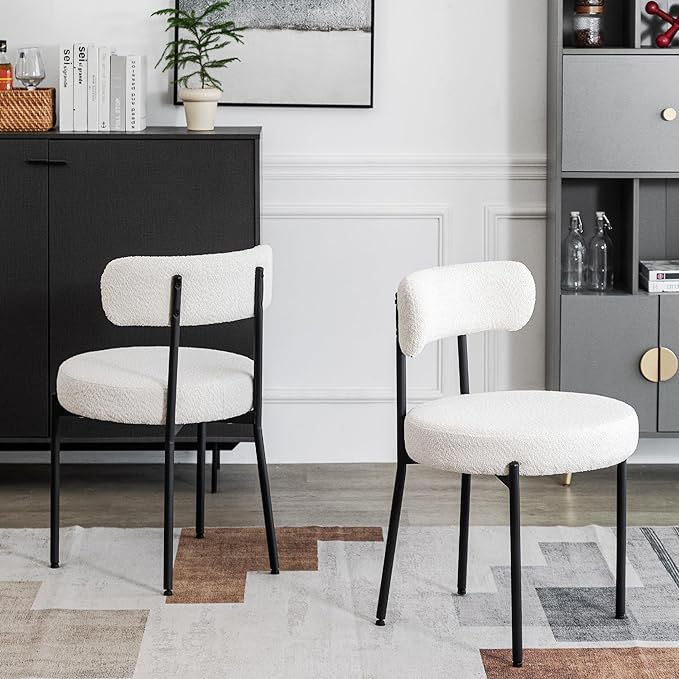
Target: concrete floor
<point>358,494</point>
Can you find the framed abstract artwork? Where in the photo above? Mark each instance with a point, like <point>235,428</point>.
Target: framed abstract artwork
<point>315,53</point>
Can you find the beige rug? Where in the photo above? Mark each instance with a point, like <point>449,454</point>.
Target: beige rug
<point>102,615</point>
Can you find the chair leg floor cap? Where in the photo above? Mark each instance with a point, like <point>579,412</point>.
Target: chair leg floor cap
<point>379,623</point>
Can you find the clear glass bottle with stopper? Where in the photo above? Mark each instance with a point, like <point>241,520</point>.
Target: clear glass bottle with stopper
<point>608,232</point>
<point>573,256</point>
<point>598,257</point>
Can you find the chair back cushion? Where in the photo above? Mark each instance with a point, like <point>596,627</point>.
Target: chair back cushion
<point>463,299</point>
<point>216,288</point>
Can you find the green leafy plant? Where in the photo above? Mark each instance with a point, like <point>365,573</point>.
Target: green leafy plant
<point>198,37</point>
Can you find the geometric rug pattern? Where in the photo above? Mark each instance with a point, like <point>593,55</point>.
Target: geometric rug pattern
<point>214,570</point>
<point>103,616</point>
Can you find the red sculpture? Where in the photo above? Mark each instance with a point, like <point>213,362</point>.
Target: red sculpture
<point>664,39</point>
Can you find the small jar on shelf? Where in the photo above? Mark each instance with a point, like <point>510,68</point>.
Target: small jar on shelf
<point>588,29</point>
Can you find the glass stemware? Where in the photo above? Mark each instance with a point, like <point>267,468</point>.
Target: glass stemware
<point>30,69</point>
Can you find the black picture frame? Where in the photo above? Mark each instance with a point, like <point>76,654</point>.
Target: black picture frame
<point>371,104</point>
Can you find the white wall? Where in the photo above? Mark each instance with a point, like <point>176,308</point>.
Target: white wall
<point>448,167</point>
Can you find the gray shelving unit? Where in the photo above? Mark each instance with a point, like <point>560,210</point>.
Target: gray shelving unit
<point>609,148</point>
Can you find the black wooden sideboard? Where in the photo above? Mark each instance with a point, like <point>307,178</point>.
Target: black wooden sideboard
<point>70,203</point>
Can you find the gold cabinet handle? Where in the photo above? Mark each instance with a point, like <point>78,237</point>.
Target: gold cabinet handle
<point>659,364</point>
<point>668,364</point>
<point>649,365</point>
<point>669,114</point>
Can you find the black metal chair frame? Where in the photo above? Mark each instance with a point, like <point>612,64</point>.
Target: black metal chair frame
<point>511,480</point>
<point>253,432</point>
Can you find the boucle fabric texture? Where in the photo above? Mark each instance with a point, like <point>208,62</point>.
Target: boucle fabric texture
<point>463,299</point>
<point>216,288</point>
<point>546,432</point>
<point>129,385</point>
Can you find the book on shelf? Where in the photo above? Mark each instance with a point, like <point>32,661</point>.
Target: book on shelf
<point>118,77</point>
<point>92,89</point>
<point>100,91</point>
<point>659,269</point>
<point>135,93</point>
<point>66,88</point>
<point>104,94</point>
<point>80,88</point>
<point>659,286</point>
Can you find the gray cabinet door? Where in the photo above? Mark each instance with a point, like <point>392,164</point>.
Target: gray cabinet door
<point>24,398</point>
<point>603,338</point>
<point>612,106</point>
<point>668,405</point>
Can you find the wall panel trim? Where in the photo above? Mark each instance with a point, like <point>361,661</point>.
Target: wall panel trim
<point>441,213</point>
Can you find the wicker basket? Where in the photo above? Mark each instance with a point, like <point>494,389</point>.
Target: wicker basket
<point>27,111</point>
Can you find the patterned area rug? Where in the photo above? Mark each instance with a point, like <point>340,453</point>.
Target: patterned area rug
<point>101,616</point>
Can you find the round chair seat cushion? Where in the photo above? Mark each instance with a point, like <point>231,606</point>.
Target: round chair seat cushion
<point>546,432</point>
<point>129,385</point>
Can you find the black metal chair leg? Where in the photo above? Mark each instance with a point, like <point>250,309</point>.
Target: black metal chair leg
<point>392,536</point>
<point>266,501</point>
<point>55,482</point>
<point>515,540</point>
<point>200,481</point>
<point>621,558</point>
<point>216,466</point>
<point>465,501</point>
<point>168,537</point>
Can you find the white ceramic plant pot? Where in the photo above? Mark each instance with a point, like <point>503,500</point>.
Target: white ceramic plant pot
<point>200,106</point>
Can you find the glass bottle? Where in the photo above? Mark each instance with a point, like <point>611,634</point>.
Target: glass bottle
<point>573,256</point>
<point>6,77</point>
<point>608,233</point>
<point>588,30</point>
<point>598,258</point>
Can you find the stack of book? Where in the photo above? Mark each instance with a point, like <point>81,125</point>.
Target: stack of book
<point>659,275</point>
<point>100,91</point>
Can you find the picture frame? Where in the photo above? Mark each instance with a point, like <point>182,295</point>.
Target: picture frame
<point>346,51</point>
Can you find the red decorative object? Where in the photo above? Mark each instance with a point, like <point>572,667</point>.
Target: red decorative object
<point>664,39</point>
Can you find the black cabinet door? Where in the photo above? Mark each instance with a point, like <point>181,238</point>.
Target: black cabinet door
<point>112,198</point>
<point>24,397</point>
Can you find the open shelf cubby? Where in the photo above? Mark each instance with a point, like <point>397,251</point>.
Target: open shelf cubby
<point>659,219</point>
<point>620,24</point>
<point>616,197</point>
<point>626,24</point>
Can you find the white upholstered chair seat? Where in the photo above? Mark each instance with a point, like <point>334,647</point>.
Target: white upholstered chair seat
<point>129,385</point>
<point>546,432</point>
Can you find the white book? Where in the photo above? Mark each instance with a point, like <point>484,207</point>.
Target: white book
<point>80,88</point>
<point>66,88</point>
<point>135,99</point>
<point>92,89</point>
<point>118,75</point>
<point>104,107</point>
<point>659,286</point>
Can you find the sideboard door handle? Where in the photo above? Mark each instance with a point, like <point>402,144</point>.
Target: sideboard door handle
<point>45,161</point>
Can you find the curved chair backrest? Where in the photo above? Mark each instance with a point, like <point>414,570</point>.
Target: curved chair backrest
<point>217,288</point>
<point>462,299</point>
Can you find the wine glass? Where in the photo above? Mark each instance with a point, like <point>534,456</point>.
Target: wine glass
<point>30,69</point>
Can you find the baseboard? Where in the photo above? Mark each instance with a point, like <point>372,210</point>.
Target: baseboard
<point>650,451</point>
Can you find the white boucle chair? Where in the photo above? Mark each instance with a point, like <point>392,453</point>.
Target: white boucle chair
<point>173,386</point>
<point>506,434</point>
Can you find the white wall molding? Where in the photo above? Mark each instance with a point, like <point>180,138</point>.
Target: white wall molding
<point>441,213</point>
<point>403,167</point>
<point>492,214</point>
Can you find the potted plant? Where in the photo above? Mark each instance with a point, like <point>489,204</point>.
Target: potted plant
<point>192,54</point>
